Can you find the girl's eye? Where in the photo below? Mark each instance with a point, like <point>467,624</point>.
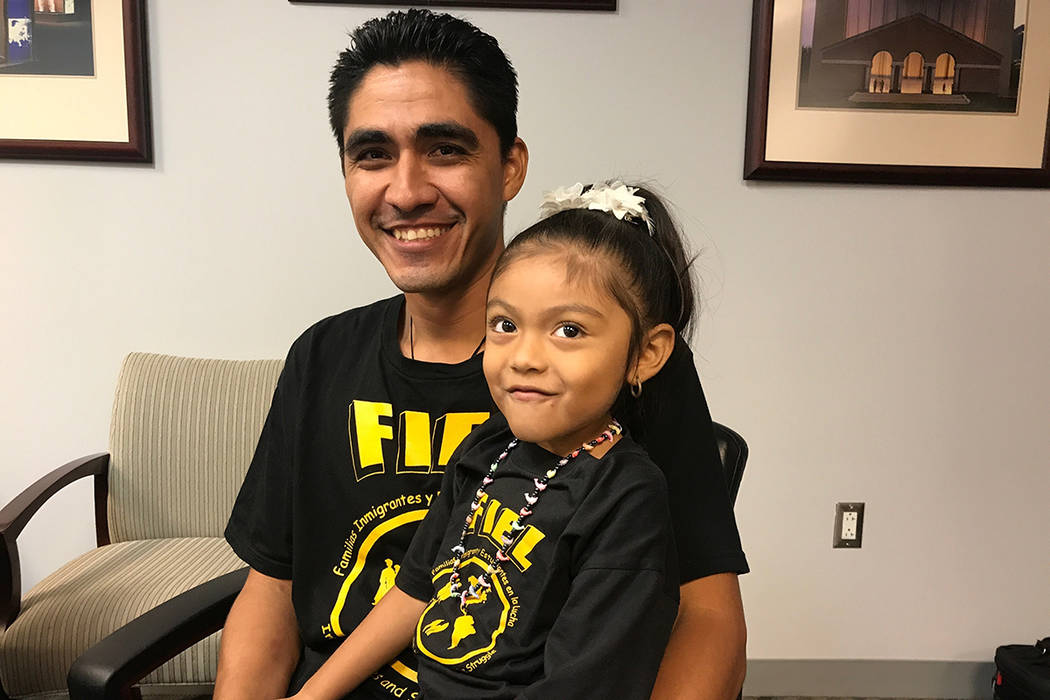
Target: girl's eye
<point>568,330</point>
<point>503,325</point>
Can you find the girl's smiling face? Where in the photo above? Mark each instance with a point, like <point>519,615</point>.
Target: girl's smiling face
<point>556,352</point>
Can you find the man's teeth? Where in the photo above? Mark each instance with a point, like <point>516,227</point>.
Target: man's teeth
<point>411,234</point>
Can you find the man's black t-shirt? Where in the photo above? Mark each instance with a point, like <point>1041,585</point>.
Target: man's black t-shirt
<point>586,600</point>
<point>352,453</point>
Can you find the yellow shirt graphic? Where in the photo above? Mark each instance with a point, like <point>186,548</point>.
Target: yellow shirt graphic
<point>386,580</point>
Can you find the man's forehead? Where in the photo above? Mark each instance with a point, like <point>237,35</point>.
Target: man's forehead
<point>407,96</point>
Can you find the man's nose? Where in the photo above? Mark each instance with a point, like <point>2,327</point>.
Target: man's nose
<point>410,187</point>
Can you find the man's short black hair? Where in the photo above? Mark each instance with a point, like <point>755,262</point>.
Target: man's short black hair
<point>438,39</point>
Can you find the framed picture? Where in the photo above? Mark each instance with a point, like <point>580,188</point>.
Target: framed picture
<point>932,92</point>
<point>524,4</point>
<point>74,81</point>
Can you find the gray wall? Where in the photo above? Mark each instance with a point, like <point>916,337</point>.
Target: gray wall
<point>876,344</point>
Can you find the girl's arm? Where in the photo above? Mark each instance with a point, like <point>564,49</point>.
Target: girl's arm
<point>381,636</point>
<point>388,629</point>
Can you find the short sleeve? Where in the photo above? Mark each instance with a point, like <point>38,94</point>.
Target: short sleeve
<point>260,525</point>
<point>673,423</point>
<point>414,576</point>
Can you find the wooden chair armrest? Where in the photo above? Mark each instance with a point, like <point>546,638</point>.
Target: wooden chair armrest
<point>108,670</point>
<point>15,515</point>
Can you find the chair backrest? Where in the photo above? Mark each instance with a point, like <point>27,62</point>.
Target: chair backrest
<point>182,436</point>
<point>733,451</point>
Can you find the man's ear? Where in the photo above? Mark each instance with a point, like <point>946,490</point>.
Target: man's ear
<point>656,347</point>
<point>515,166</point>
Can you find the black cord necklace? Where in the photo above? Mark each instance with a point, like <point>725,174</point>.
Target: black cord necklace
<point>412,342</point>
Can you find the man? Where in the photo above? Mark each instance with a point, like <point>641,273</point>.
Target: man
<point>372,402</point>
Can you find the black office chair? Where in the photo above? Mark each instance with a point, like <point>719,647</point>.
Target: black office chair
<point>733,451</point>
<point>112,667</point>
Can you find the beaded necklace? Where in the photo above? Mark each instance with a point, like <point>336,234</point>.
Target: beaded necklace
<point>483,582</point>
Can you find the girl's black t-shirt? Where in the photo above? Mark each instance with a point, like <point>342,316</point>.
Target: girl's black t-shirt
<point>353,451</point>
<point>586,600</point>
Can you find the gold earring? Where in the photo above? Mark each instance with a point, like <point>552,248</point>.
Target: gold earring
<point>636,388</point>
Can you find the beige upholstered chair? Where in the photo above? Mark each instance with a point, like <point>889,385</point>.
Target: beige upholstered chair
<point>182,435</point>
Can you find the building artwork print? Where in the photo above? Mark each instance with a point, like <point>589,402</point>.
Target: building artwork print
<point>961,55</point>
<point>46,37</point>
<point>903,92</point>
<point>603,5</point>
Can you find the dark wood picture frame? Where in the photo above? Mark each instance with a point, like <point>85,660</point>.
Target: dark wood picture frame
<point>599,5</point>
<point>139,146</point>
<point>758,167</point>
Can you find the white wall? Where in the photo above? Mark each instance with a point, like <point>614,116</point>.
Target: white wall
<point>886,345</point>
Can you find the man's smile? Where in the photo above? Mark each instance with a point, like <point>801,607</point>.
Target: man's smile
<point>417,232</point>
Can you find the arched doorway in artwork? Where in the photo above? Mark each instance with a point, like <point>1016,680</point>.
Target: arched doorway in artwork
<point>881,78</point>
<point>55,7</point>
<point>911,75</point>
<point>944,75</point>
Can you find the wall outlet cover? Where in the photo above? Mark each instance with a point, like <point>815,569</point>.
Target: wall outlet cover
<point>849,525</point>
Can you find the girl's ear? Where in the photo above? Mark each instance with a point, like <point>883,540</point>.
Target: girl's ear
<point>656,347</point>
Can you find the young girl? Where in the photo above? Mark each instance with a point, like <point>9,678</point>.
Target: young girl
<point>545,567</point>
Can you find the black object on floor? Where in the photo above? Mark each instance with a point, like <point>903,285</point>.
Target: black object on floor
<point>1023,671</point>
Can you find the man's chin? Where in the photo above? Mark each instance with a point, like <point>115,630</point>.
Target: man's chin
<point>418,285</point>
<point>435,282</point>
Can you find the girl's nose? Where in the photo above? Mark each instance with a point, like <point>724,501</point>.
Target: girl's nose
<point>528,353</point>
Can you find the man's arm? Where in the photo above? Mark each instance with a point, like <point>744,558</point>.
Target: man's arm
<point>260,642</point>
<point>706,657</point>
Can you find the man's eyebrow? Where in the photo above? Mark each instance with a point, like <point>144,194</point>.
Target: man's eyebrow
<point>359,137</point>
<point>448,130</point>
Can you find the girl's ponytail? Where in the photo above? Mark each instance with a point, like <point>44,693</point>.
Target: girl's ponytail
<point>681,305</point>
